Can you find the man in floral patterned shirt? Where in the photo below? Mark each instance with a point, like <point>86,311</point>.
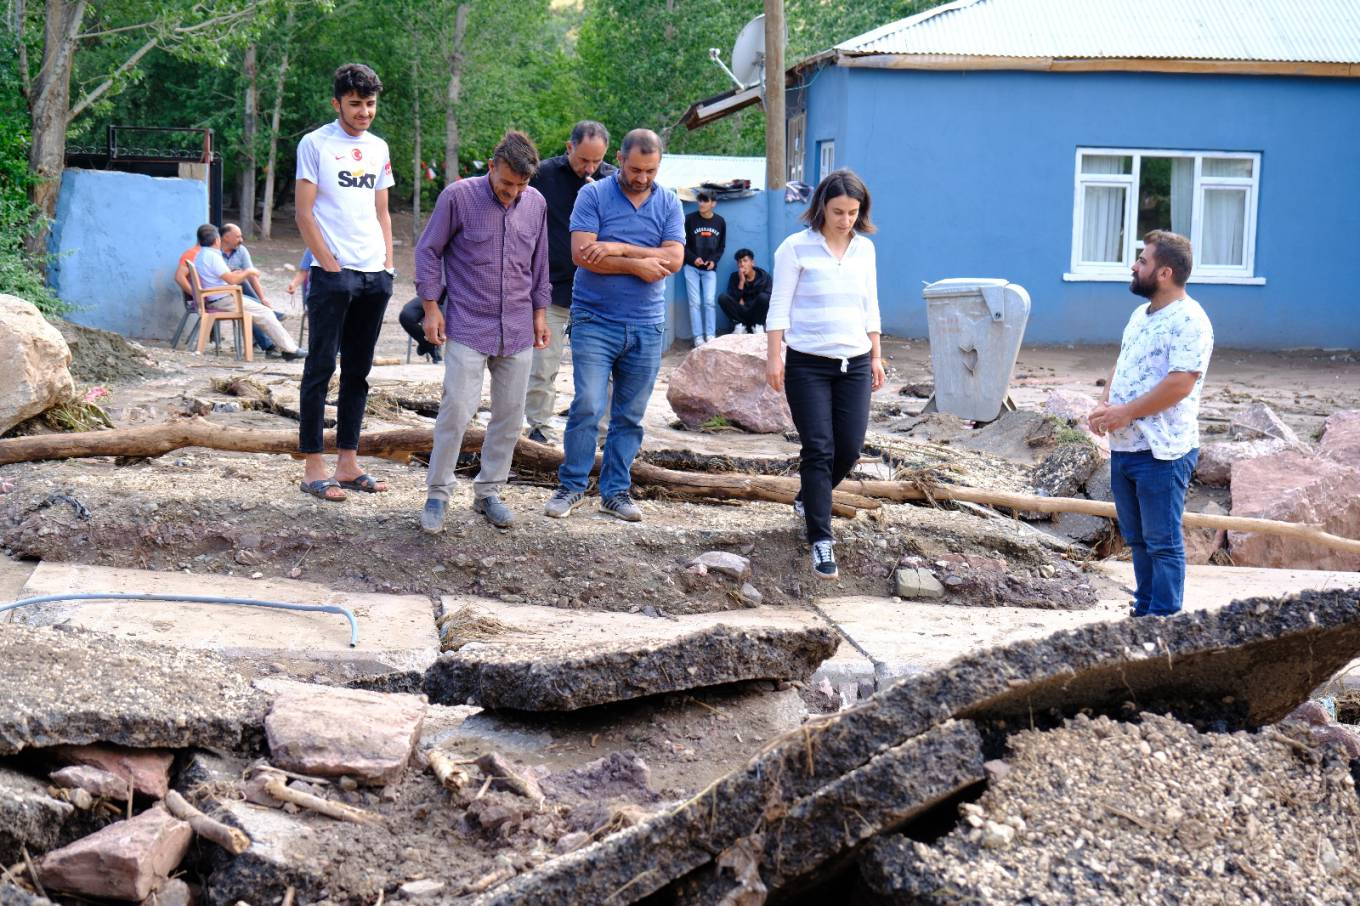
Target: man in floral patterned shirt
<point>1151,412</point>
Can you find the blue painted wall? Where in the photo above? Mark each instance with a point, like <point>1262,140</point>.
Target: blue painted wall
<point>747,227</point>
<point>117,239</point>
<point>972,175</point>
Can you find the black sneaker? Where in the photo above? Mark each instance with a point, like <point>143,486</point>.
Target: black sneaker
<point>294,356</point>
<point>823,560</point>
<point>538,436</point>
<point>436,357</point>
<point>273,353</point>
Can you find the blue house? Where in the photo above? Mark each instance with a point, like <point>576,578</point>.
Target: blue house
<point>1038,140</point>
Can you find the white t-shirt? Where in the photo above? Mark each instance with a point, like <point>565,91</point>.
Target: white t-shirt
<point>1178,337</point>
<point>211,265</point>
<point>348,170</point>
<point>825,306</point>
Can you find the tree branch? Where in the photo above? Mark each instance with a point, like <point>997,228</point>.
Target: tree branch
<point>20,21</point>
<point>105,85</point>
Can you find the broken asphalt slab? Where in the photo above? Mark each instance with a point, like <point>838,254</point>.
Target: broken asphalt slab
<point>29,817</point>
<point>1262,655</point>
<point>396,632</point>
<point>74,687</point>
<point>547,659</point>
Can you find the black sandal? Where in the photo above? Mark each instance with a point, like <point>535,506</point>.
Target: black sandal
<point>365,482</point>
<point>319,488</point>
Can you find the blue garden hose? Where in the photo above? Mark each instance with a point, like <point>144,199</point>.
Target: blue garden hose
<point>199,599</point>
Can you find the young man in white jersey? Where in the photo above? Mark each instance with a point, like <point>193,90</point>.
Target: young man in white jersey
<point>1151,412</point>
<point>343,174</point>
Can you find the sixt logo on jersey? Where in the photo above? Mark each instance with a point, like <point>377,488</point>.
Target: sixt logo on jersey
<point>358,180</point>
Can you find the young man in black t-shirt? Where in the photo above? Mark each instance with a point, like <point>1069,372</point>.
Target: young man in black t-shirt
<point>705,239</point>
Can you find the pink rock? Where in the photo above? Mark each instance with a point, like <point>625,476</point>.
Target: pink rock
<point>1217,457</point>
<point>1074,407</point>
<point>1341,437</point>
<point>333,732</point>
<point>95,781</point>
<point>1292,486</point>
<point>124,861</point>
<point>1312,713</point>
<point>148,769</point>
<point>1344,739</point>
<point>727,377</point>
<point>1258,421</point>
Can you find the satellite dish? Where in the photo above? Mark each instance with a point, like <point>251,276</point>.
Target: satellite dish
<point>748,55</point>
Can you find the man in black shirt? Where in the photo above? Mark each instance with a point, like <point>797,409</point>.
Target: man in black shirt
<point>559,179</point>
<point>747,299</point>
<point>705,239</point>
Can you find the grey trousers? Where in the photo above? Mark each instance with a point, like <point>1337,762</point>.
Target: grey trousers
<point>463,370</point>
<point>542,394</point>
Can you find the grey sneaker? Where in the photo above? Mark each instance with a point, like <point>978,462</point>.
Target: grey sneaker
<point>432,517</point>
<point>562,502</point>
<point>823,560</point>
<point>622,506</point>
<point>496,513</point>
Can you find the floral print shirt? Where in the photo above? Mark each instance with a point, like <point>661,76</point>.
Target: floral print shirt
<point>1178,337</point>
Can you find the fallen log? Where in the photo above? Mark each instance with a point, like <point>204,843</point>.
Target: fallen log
<point>399,443</point>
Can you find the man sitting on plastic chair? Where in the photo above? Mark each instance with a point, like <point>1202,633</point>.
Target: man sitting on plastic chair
<point>213,271</point>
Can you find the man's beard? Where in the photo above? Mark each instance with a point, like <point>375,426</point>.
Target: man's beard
<point>1146,289</point>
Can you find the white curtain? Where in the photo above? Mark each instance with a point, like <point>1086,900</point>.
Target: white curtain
<point>1102,229</point>
<point>1182,192</point>
<point>1224,229</point>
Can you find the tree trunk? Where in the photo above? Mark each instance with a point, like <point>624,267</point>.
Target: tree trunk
<point>49,111</point>
<point>249,126</point>
<point>417,170</point>
<point>267,214</point>
<point>455,92</point>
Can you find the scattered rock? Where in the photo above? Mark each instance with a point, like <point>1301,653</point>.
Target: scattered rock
<point>80,687</point>
<point>124,861</point>
<point>1065,471</point>
<point>1019,436</point>
<point>728,564</point>
<point>93,780</point>
<point>326,731</point>
<point>1214,467</point>
<point>726,378</point>
<point>1258,420</point>
<point>147,770</point>
<point>416,890</point>
<point>1341,437</point>
<point>1069,405</point>
<point>556,661</point>
<point>173,892</point>
<point>36,359</point>
<point>1098,485</point>
<point>29,817</point>
<point>1082,527</point>
<point>916,583</point>
<point>1292,486</point>
<point>751,595</point>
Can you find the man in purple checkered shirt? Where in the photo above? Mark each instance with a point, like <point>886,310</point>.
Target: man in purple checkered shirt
<point>487,242</point>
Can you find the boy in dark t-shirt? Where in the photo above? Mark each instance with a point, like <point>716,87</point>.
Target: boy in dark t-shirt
<point>705,240</point>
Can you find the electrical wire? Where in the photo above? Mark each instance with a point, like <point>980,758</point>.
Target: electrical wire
<point>199,599</point>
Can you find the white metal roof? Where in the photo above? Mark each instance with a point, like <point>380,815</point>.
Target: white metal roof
<point>1304,31</point>
<point>680,171</point>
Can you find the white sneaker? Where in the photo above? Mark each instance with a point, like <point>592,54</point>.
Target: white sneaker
<point>757,329</point>
<point>699,341</point>
<point>739,328</point>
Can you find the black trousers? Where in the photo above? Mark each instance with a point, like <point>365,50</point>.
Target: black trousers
<point>412,319</point>
<point>345,310</point>
<point>831,411</point>
<point>752,314</point>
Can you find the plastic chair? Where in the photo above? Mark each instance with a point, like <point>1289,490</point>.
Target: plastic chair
<point>208,320</point>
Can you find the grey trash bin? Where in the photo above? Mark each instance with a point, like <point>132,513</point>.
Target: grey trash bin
<point>976,326</point>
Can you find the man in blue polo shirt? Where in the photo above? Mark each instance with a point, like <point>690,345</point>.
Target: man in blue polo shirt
<point>627,236</point>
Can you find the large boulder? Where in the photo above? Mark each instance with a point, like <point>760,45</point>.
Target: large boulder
<point>1293,486</point>
<point>36,359</point>
<point>1216,458</point>
<point>726,377</point>
<point>1341,437</point>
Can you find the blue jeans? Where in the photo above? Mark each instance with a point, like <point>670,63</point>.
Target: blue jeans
<point>631,355</point>
<point>1149,499</point>
<point>702,289</point>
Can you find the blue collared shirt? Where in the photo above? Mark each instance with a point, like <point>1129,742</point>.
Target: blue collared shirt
<point>602,208</point>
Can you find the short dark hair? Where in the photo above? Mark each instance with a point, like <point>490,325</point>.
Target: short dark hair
<point>705,195</point>
<point>516,150</point>
<point>834,185</point>
<point>644,140</point>
<point>207,235</point>
<point>744,253</point>
<point>589,129</point>
<point>356,78</point>
<point>1171,250</point>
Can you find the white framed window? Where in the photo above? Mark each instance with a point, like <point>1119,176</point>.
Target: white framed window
<point>794,150</point>
<point>826,158</point>
<point>1209,196</point>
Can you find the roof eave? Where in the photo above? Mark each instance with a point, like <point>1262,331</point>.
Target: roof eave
<point>962,62</point>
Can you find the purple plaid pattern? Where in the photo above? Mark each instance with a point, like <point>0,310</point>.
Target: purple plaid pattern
<point>495,265</point>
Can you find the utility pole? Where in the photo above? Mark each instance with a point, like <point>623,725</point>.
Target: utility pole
<point>775,129</point>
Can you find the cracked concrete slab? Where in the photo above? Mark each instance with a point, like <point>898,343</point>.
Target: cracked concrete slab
<point>546,659</point>
<point>29,817</point>
<point>71,686</point>
<point>396,632</point>
<point>825,829</point>
<point>1262,656</point>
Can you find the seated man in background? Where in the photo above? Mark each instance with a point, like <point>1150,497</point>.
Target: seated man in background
<point>213,272</point>
<point>238,259</point>
<point>747,299</point>
<point>412,319</point>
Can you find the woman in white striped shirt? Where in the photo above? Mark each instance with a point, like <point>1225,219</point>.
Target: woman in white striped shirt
<point>825,307</point>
